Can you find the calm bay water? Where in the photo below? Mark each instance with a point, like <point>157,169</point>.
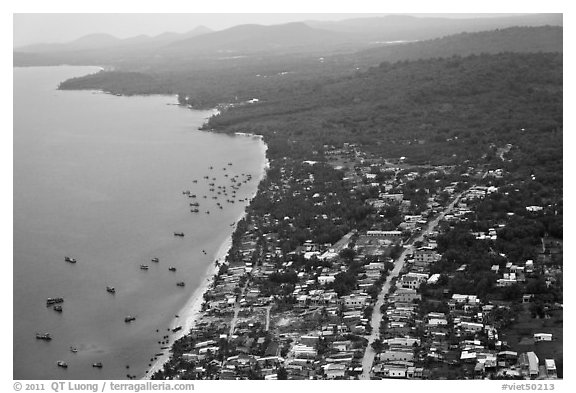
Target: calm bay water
<point>100,178</point>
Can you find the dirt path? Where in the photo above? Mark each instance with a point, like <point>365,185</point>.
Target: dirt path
<point>268,317</point>
<point>237,309</point>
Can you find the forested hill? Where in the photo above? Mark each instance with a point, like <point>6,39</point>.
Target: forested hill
<point>231,80</point>
<point>437,110</point>
<point>513,39</point>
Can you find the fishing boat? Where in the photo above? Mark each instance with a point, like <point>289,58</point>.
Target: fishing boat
<point>58,308</point>
<point>71,260</point>
<point>180,284</point>
<point>172,268</point>
<point>97,365</point>
<point>45,336</point>
<point>155,260</point>
<point>62,364</point>
<point>143,267</point>
<point>181,234</point>
<point>73,349</point>
<point>129,319</point>
<point>110,289</point>
<point>54,300</point>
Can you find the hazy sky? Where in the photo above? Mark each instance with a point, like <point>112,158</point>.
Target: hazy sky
<point>63,27</point>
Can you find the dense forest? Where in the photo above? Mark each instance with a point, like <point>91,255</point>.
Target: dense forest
<point>478,93</point>
<point>207,81</point>
<point>444,110</point>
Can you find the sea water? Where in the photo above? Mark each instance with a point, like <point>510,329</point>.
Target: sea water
<point>100,178</point>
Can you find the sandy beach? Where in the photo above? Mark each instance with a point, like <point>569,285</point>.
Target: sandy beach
<point>191,312</point>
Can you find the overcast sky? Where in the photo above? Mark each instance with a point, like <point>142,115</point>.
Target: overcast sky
<point>61,27</point>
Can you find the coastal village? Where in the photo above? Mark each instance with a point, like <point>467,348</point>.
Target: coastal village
<point>346,197</point>
<point>421,289</point>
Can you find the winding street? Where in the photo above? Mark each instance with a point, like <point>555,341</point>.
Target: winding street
<point>369,354</point>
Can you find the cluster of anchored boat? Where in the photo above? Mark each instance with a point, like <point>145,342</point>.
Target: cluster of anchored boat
<point>215,192</point>
<point>63,364</point>
<point>218,191</point>
<point>157,260</point>
<point>56,303</point>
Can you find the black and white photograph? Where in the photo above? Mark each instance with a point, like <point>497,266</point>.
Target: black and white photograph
<point>360,195</point>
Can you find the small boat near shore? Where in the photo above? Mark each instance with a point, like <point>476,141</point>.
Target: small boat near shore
<point>58,308</point>
<point>143,267</point>
<point>97,365</point>
<point>180,284</point>
<point>45,336</point>
<point>155,260</point>
<point>71,260</point>
<point>129,319</point>
<point>62,364</point>
<point>172,268</point>
<point>180,234</point>
<point>176,329</point>
<point>73,349</point>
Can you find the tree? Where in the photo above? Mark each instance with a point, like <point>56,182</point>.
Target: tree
<point>282,374</point>
<point>377,345</point>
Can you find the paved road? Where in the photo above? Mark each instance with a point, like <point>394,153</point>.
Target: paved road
<point>369,354</point>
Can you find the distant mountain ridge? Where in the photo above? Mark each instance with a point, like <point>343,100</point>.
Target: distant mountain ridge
<point>257,38</point>
<point>409,28</point>
<point>305,37</point>
<point>107,41</point>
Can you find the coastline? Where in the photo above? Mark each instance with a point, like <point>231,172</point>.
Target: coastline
<point>188,307</point>
<point>191,312</point>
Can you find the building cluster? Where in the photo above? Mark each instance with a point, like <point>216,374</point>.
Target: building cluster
<point>286,305</point>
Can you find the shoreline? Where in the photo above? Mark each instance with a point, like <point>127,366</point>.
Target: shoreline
<point>191,312</point>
